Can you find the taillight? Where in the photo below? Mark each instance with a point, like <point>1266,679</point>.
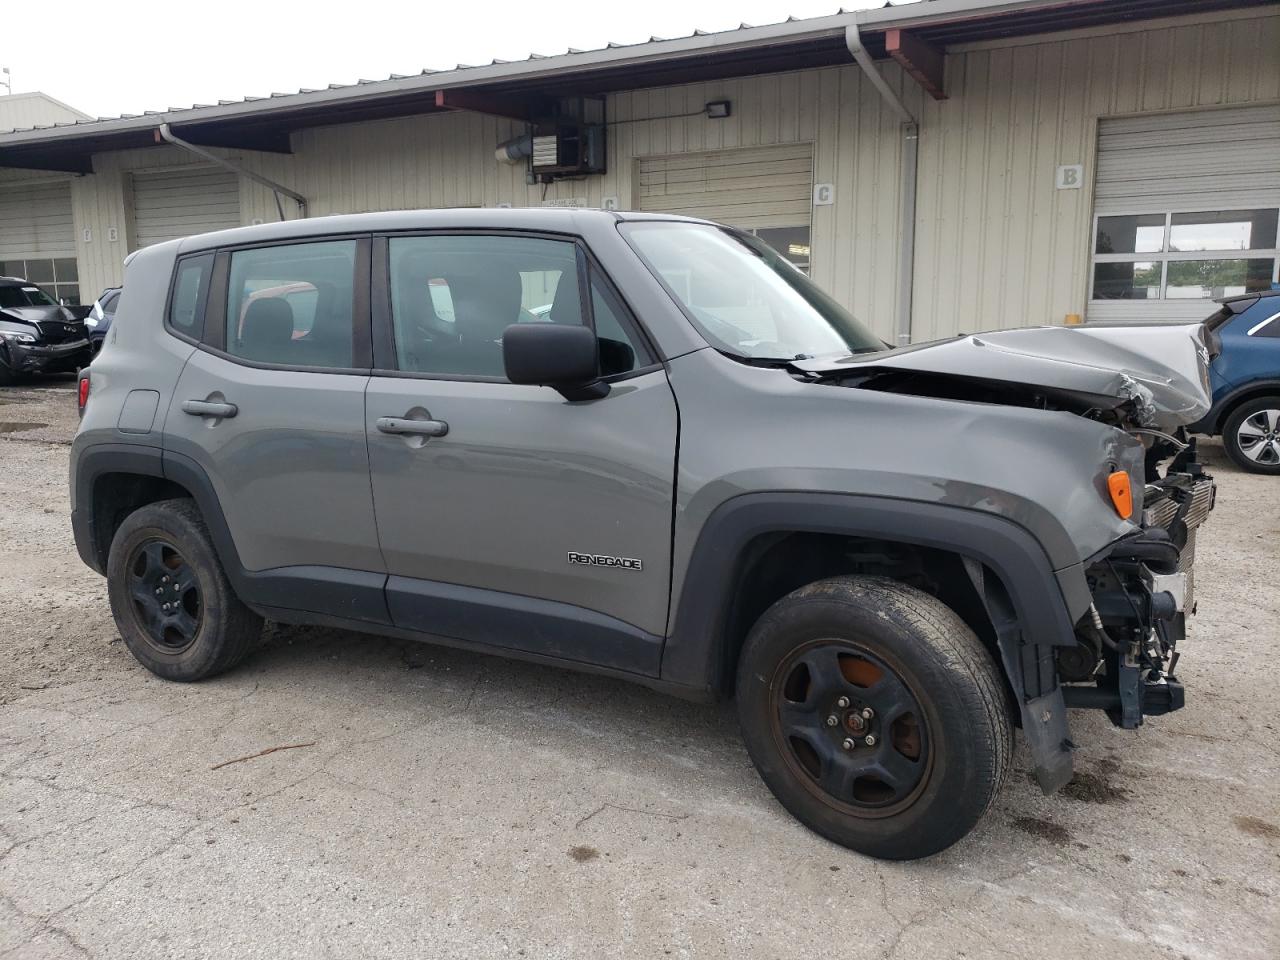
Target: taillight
<point>83,396</point>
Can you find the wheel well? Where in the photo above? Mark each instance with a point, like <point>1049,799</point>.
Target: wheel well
<point>116,495</point>
<point>1237,401</point>
<point>775,564</point>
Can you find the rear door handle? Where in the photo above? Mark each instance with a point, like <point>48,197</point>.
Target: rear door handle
<point>209,408</point>
<point>417,428</point>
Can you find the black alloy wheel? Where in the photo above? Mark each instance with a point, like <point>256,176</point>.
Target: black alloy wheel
<point>851,728</point>
<point>165,594</point>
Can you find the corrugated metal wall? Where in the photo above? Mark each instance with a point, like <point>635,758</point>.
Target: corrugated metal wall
<point>996,243</point>
<point>22,111</point>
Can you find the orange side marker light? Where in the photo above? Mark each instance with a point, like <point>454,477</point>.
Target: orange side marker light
<point>1121,493</point>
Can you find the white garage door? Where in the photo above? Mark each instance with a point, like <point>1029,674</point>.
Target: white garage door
<point>1187,209</point>
<point>37,237</point>
<point>766,190</point>
<point>178,203</point>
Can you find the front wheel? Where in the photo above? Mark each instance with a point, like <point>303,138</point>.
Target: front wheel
<point>1251,435</point>
<point>874,715</point>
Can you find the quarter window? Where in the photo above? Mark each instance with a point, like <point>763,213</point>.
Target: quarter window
<point>1183,256</point>
<point>1267,328</point>
<point>453,296</point>
<point>293,305</point>
<point>188,294</point>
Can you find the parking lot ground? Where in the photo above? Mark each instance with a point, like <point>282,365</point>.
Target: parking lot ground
<point>445,804</point>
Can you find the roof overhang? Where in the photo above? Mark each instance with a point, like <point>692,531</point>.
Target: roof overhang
<point>916,34</point>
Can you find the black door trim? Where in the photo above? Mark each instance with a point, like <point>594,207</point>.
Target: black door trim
<point>513,622</point>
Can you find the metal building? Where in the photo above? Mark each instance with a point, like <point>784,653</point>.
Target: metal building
<point>940,166</point>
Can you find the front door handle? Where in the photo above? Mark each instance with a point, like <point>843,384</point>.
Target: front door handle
<point>209,408</point>
<point>416,428</point>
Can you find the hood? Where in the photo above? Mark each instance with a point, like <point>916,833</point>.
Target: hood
<point>35,314</point>
<point>1147,376</point>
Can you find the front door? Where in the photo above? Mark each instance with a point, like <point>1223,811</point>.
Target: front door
<point>507,514</point>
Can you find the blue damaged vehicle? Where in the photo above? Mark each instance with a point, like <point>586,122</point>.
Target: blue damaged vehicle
<point>649,447</point>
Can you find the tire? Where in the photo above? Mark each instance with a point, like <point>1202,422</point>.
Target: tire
<point>1251,436</point>
<point>869,642</point>
<point>161,556</point>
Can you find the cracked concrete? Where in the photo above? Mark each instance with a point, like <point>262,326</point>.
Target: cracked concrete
<point>456,805</point>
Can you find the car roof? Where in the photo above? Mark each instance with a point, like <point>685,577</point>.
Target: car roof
<point>15,282</point>
<point>550,219</point>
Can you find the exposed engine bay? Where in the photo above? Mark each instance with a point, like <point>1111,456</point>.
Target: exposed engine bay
<point>1143,590</point>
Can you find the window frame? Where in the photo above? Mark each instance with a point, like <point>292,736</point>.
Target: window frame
<point>214,336</point>
<point>1164,255</point>
<point>385,359</point>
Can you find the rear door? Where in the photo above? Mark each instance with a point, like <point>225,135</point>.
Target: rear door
<point>271,407</point>
<point>517,518</point>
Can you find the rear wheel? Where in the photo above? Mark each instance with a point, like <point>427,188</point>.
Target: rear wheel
<point>1251,435</point>
<point>170,598</point>
<point>874,715</point>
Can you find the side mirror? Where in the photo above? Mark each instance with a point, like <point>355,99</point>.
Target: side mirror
<point>554,355</point>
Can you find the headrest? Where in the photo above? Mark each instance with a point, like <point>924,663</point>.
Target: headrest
<point>486,304</point>
<point>268,325</point>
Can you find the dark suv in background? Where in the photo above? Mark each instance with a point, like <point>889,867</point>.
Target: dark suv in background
<point>37,334</point>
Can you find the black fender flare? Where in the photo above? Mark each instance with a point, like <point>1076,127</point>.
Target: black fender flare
<point>1214,420</point>
<point>1029,612</point>
<point>88,465</point>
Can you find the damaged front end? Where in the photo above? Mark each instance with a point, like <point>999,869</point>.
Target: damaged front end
<point>1143,588</point>
<point>1146,381</point>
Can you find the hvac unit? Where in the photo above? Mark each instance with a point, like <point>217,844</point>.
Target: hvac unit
<point>568,140</point>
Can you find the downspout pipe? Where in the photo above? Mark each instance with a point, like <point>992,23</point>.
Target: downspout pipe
<point>277,189</point>
<point>910,166</point>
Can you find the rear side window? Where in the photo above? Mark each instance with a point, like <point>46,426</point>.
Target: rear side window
<point>293,305</point>
<point>186,303</point>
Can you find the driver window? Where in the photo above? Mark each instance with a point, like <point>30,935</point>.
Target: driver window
<point>453,296</point>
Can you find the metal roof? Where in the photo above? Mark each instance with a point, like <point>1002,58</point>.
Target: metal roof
<point>264,123</point>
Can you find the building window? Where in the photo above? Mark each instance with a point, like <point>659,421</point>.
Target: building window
<point>791,242</point>
<point>1185,256</point>
<point>59,277</point>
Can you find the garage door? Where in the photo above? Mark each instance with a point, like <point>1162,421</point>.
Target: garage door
<point>1187,209</point>
<point>37,239</point>
<point>766,190</point>
<point>178,203</point>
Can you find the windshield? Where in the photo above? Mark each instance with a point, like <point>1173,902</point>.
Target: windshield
<point>744,297</point>
<point>28,296</point>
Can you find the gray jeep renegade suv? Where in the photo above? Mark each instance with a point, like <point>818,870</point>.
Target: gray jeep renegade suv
<point>650,447</point>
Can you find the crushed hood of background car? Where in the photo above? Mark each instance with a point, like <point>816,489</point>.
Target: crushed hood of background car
<point>1153,376</point>
<point>34,314</point>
